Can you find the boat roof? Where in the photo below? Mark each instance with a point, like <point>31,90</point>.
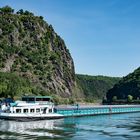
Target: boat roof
<point>31,96</point>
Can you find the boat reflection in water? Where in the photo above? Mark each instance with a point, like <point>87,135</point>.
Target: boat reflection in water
<point>103,127</point>
<point>26,129</point>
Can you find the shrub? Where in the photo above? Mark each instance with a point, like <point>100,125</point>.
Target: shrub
<point>129,98</point>
<point>114,98</point>
<point>6,10</point>
<point>20,12</point>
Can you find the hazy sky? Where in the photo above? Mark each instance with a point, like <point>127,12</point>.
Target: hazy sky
<point>103,36</point>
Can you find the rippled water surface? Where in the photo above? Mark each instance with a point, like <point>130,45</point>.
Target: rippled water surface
<point>105,127</point>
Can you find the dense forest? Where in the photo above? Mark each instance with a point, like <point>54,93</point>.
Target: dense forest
<point>126,89</point>
<point>95,87</point>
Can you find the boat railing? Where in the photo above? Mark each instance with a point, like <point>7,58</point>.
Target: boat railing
<point>34,102</point>
<point>45,103</point>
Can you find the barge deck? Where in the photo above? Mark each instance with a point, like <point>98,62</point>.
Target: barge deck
<point>69,111</point>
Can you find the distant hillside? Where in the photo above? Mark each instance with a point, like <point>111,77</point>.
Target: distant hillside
<point>95,87</point>
<point>30,48</point>
<point>129,85</point>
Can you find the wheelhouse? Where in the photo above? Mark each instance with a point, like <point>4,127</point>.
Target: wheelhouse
<point>37,99</point>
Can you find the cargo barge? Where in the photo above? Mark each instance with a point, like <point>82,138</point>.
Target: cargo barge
<point>97,110</point>
<point>42,107</point>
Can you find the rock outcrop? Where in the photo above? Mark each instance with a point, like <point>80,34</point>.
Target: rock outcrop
<point>31,48</point>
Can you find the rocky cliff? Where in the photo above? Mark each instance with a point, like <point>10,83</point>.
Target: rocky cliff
<point>30,48</point>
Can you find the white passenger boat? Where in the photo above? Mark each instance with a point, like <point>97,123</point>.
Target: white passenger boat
<point>30,108</point>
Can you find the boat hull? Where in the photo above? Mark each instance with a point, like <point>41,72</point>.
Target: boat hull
<point>28,117</point>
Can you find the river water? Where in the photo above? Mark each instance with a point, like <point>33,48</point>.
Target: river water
<point>102,127</point>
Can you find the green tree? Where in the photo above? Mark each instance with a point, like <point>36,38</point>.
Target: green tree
<point>41,17</point>
<point>28,13</point>
<point>3,89</point>
<point>6,9</point>
<point>114,98</point>
<point>129,98</point>
<point>20,12</point>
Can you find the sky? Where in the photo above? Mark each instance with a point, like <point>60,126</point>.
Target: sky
<point>103,36</point>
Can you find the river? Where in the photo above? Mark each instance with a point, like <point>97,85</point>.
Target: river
<point>102,127</point>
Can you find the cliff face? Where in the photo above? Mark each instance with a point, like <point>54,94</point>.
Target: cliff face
<point>30,48</point>
<point>129,85</point>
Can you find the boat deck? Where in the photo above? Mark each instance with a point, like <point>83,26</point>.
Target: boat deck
<point>96,110</point>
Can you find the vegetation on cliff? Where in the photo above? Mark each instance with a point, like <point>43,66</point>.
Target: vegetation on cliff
<point>30,48</point>
<point>95,87</point>
<point>13,85</point>
<point>126,89</point>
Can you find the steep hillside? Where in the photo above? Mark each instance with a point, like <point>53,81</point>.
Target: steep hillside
<point>95,87</point>
<point>35,60</point>
<point>129,85</point>
<point>30,48</point>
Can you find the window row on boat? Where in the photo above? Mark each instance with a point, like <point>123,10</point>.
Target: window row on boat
<point>37,98</point>
<point>31,110</point>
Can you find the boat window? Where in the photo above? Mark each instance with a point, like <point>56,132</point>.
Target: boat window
<point>45,110</point>
<point>46,99</point>
<point>25,110</point>
<point>31,99</point>
<point>38,99</point>
<point>24,99</point>
<point>28,99</point>
<point>37,109</point>
<point>55,110</point>
<point>42,99</point>
<point>32,110</point>
<point>18,110</point>
<point>50,110</point>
